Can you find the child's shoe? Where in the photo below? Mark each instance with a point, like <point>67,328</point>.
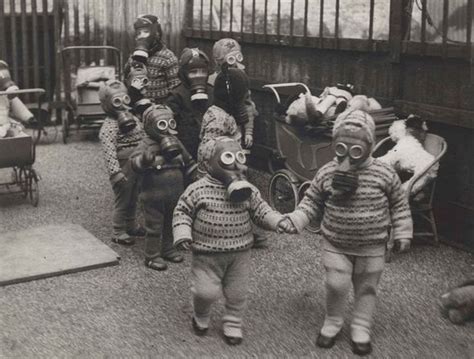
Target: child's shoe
<point>361,348</point>
<point>326,342</point>
<point>123,239</point>
<point>156,264</point>
<point>200,331</point>
<point>233,340</point>
<point>232,334</point>
<point>173,257</point>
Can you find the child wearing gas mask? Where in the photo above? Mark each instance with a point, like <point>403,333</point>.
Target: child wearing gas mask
<point>120,134</point>
<point>190,100</point>
<point>228,53</point>
<point>13,111</point>
<point>358,198</point>
<point>164,165</point>
<point>214,219</point>
<point>160,61</point>
<point>137,82</point>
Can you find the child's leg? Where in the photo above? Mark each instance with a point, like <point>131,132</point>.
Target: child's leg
<point>338,283</point>
<point>235,288</point>
<point>206,285</point>
<point>367,272</point>
<point>168,252</point>
<point>131,211</point>
<point>154,219</point>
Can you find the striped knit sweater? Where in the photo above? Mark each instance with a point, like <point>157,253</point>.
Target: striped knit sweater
<point>162,69</point>
<point>363,218</point>
<point>113,142</point>
<point>205,216</point>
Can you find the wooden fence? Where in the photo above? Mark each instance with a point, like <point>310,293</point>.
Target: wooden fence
<point>33,32</point>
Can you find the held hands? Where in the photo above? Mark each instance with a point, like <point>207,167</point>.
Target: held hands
<point>403,244</point>
<point>286,226</point>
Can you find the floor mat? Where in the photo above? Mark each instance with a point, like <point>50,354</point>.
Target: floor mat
<point>50,250</point>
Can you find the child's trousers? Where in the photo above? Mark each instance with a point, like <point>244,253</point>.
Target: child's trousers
<point>213,272</point>
<point>126,197</point>
<point>364,274</point>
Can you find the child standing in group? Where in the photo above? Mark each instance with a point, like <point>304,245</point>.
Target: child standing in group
<point>358,199</point>
<point>213,218</point>
<point>120,134</point>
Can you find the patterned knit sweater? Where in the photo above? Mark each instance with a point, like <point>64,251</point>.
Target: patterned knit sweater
<point>113,142</point>
<point>205,216</point>
<point>363,218</point>
<point>162,69</point>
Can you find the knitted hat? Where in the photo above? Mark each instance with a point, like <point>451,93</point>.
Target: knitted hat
<point>356,124</point>
<point>224,48</point>
<point>107,91</point>
<point>231,85</point>
<point>192,58</point>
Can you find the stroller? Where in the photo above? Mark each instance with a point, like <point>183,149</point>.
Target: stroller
<point>19,153</point>
<point>85,111</point>
<point>301,152</point>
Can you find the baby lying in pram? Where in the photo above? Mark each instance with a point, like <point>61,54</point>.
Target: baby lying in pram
<point>13,111</point>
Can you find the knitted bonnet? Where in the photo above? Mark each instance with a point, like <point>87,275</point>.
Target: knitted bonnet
<point>355,124</point>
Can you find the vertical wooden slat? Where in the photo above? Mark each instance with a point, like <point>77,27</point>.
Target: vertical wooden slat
<point>97,30</point>
<point>371,20</point>
<point>253,19</point>
<point>321,22</point>
<point>189,14</point>
<point>34,32</point>
<point>59,68</point>
<point>265,20</point>
<point>25,49</point>
<point>201,18</point>
<point>336,23</point>
<point>445,26</point>
<point>468,23</point>
<point>87,34</point>
<point>423,21</point>
<point>242,8</point>
<point>221,10</point>
<point>278,32</point>
<point>395,41</point>
<point>67,63</point>
<point>292,15</point>
<point>305,28</point>
<point>211,7</point>
<point>14,54</point>
<point>3,40</point>
<point>46,52</point>
<point>231,15</point>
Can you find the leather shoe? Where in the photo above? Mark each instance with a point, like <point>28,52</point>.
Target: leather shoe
<point>173,257</point>
<point>124,240</point>
<point>233,340</point>
<point>200,331</point>
<point>361,348</point>
<point>156,264</point>
<point>326,342</point>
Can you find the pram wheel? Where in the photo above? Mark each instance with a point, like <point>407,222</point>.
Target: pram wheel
<point>283,191</point>
<point>312,227</point>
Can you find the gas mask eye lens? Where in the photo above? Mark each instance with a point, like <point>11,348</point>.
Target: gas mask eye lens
<point>240,157</point>
<point>341,149</point>
<point>172,124</point>
<point>239,57</point>
<point>231,60</point>
<point>116,102</point>
<point>126,100</point>
<point>145,81</point>
<point>227,158</point>
<point>162,125</point>
<point>356,152</point>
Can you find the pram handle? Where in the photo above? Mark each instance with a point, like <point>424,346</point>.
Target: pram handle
<point>273,87</point>
<point>19,92</point>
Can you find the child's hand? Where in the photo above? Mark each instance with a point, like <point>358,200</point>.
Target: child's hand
<point>248,141</point>
<point>403,244</point>
<point>184,245</point>
<point>286,226</point>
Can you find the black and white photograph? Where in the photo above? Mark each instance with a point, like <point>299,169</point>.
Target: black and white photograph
<point>236,179</point>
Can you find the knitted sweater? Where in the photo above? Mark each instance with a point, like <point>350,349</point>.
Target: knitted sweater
<point>363,218</point>
<point>205,216</point>
<point>162,69</point>
<point>114,141</point>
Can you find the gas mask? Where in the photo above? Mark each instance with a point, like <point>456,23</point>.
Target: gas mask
<point>227,164</point>
<point>230,91</point>
<point>194,72</point>
<point>228,51</point>
<point>115,102</point>
<point>137,82</point>
<point>147,35</point>
<point>6,82</point>
<point>160,126</point>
